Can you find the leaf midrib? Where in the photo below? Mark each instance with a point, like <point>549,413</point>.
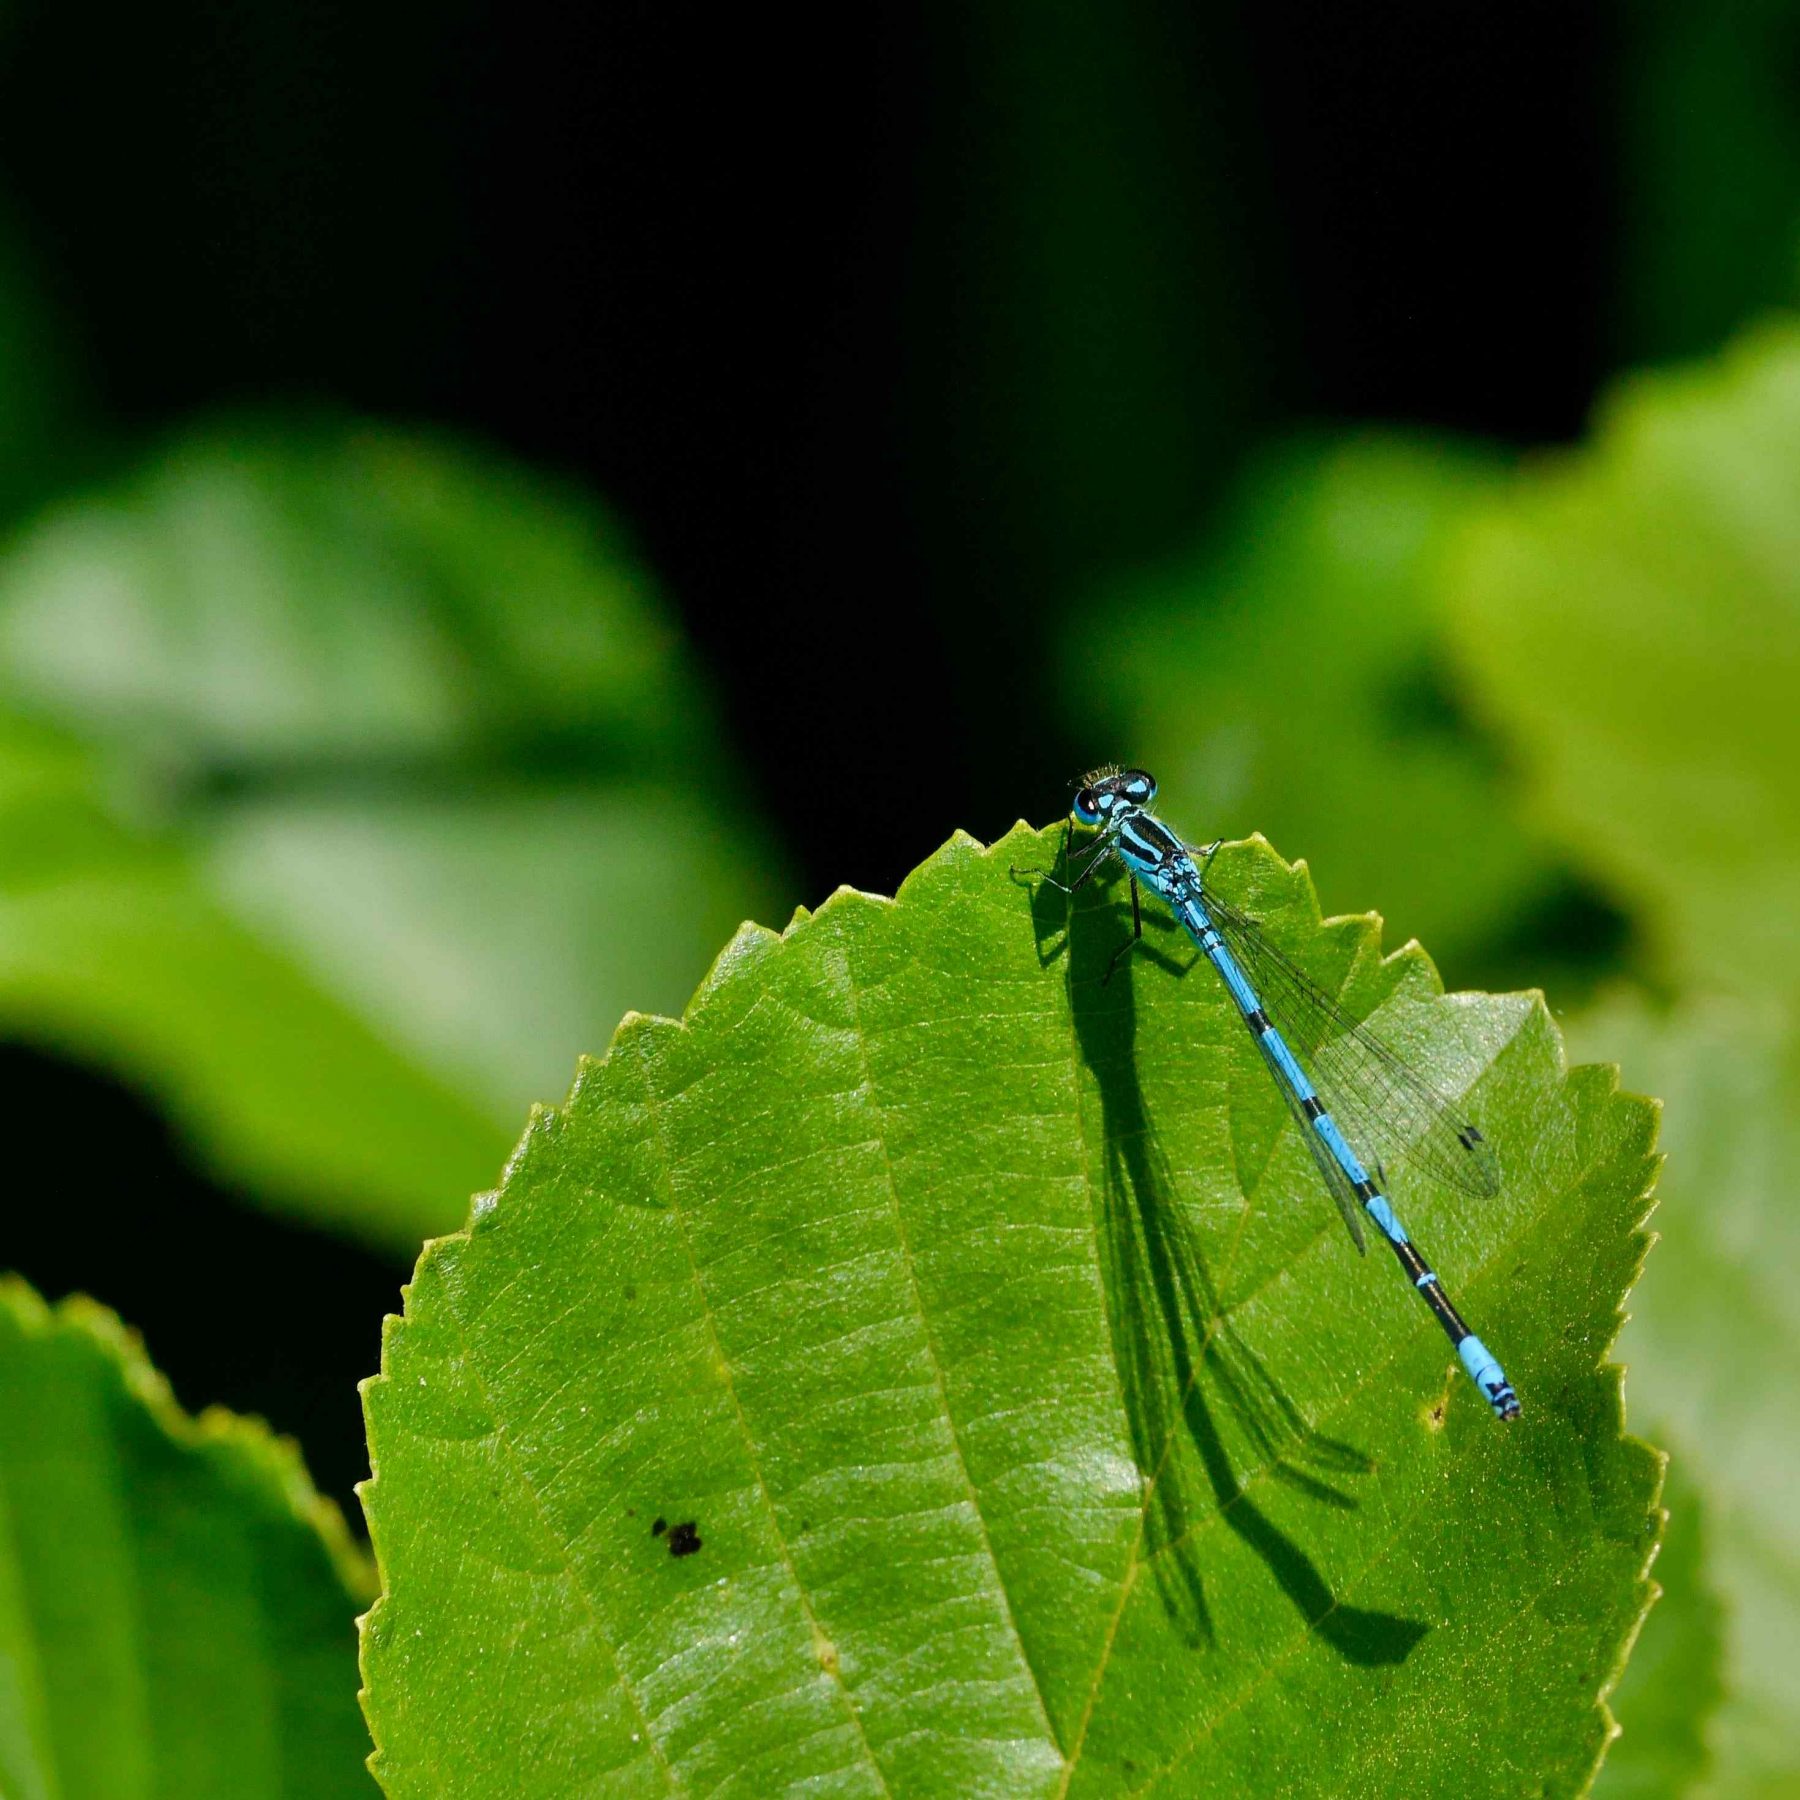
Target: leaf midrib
<point>930,1342</point>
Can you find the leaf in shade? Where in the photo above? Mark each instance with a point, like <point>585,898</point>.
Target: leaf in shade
<point>176,1602</point>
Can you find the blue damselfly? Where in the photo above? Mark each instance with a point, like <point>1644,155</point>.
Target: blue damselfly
<point>1354,1076</point>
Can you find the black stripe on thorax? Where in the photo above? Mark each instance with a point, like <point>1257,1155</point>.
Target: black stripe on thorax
<point>1149,838</point>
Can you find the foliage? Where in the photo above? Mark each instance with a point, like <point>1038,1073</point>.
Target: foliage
<point>175,1601</point>
<point>1716,1311</point>
<point>1319,603</point>
<point>356,770</point>
<point>1631,617</point>
<point>1671,1688</point>
<point>921,1368</point>
<point>926,1369</point>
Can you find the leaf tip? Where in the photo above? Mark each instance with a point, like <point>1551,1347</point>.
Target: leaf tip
<point>748,944</point>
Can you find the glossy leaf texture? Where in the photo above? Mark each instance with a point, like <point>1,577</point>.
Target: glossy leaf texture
<point>176,1603</point>
<point>354,782</point>
<point>925,1369</point>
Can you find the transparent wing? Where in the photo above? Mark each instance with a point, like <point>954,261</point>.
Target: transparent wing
<point>1386,1106</point>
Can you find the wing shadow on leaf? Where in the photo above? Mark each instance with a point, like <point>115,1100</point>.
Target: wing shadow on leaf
<point>1179,1362</point>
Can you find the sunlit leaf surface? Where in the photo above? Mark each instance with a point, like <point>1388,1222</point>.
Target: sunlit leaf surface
<point>924,1370</point>
<point>176,1603</point>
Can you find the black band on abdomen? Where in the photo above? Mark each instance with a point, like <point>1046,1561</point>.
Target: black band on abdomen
<point>1431,1291</point>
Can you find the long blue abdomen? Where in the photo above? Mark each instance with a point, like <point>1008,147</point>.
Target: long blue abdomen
<point>1483,1368</point>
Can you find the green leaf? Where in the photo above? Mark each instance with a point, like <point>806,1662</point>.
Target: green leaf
<point>1631,617</point>
<point>266,594</point>
<point>176,1602</point>
<point>927,1370</point>
<point>1322,586</point>
<point>1714,1331</point>
<point>1671,1688</point>
<point>394,793</point>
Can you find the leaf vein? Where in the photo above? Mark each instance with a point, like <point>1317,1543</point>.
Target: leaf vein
<point>931,1350</point>
<point>503,1437</point>
<point>653,1106</point>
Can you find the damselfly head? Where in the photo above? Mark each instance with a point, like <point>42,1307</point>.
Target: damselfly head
<point>1107,791</point>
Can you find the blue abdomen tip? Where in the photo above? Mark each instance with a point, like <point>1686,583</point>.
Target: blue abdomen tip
<point>1486,1373</point>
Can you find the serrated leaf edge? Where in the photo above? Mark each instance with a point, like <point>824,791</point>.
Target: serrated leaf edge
<point>272,1456</point>
<point>752,938</point>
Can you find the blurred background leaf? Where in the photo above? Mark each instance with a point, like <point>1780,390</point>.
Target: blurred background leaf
<point>1669,1693</point>
<point>384,756</point>
<point>1630,618</point>
<point>1715,1305</point>
<point>176,1602</point>
<point>1317,604</point>
<point>282,597</point>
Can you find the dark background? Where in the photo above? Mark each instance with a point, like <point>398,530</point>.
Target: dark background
<point>885,335</point>
<point>784,294</point>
